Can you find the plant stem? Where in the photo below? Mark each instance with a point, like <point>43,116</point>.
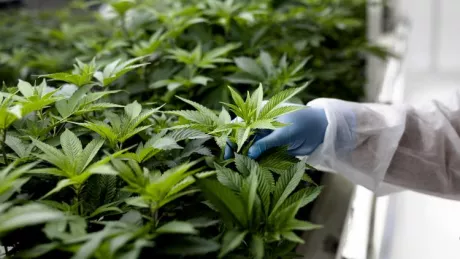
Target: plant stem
<point>5,160</point>
<point>78,190</point>
<point>125,30</point>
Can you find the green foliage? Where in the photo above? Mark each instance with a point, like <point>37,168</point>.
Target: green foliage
<point>92,168</point>
<point>253,206</point>
<point>254,115</point>
<point>123,127</point>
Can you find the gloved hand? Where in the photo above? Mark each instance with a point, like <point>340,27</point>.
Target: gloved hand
<point>303,135</point>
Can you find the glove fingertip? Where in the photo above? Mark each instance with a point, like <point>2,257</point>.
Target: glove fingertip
<point>255,151</point>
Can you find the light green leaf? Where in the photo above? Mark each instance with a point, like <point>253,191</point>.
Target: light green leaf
<point>250,66</point>
<point>133,109</point>
<point>284,110</point>
<point>232,239</point>
<point>105,209</point>
<point>121,6</point>
<point>242,137</point>
<point>59,186</point>
<point>90,247</point>
<point>71,145</point>
<point>27,215</point>
<point>38,250</point>
<point>257,247</point>
<point>25,88</point>
<point>263,124</point>
<point>295,224</point>
<point>267,62</point>
<point>137,202</point>
<point>177,227</point>
<point>291,236</point>
<point>278,99</point>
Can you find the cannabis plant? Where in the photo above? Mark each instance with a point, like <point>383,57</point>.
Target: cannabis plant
<point>101,161</point>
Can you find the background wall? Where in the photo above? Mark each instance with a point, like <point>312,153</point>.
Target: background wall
<point>416,225</point>
<point>435,36</point>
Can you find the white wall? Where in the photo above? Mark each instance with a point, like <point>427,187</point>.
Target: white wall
<point>435,38</point>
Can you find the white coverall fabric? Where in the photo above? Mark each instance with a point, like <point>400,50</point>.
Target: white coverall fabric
<point>386,148</point>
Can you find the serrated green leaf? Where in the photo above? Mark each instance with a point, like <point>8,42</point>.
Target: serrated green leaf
<point>71,145</point>
<point>278,99</point>
<point>277,160</point>
<point>88,154</point>
<point>225,200</point>
<point>182,134</point>
<point>229,178</point>
<point>202,109</point>
<point>284,110</point>
<point>305,196</point>
<point>265,188</point>
<point>52,155</point>
<point>249,192</point>
<point>286,184</point>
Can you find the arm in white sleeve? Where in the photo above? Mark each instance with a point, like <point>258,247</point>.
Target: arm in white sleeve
<point>376,144</point>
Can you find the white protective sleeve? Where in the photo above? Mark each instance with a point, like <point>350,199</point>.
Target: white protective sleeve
<point>393,147</point>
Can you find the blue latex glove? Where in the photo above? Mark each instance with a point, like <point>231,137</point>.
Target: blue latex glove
<point>303,135</point>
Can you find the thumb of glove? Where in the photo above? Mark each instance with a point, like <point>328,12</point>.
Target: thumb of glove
<point>274,139</point>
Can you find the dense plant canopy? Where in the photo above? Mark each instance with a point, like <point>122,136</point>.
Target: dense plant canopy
<point>113,125</point>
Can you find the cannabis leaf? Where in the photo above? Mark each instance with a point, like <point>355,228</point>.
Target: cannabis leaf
<point>80,76</point>
<point>244,197</point>
<point>72,162</point>
<point>12,218</point>
<point>11,179</point>
<point>156,189</point>
<point>121,127</point>
<point>148,47</point>
<point>253,113</point>
<point>116,69</point>
<point>83,101</point>
<point>263,70</point>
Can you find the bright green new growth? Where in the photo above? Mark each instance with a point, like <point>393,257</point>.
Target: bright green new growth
<point>253,112</point>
